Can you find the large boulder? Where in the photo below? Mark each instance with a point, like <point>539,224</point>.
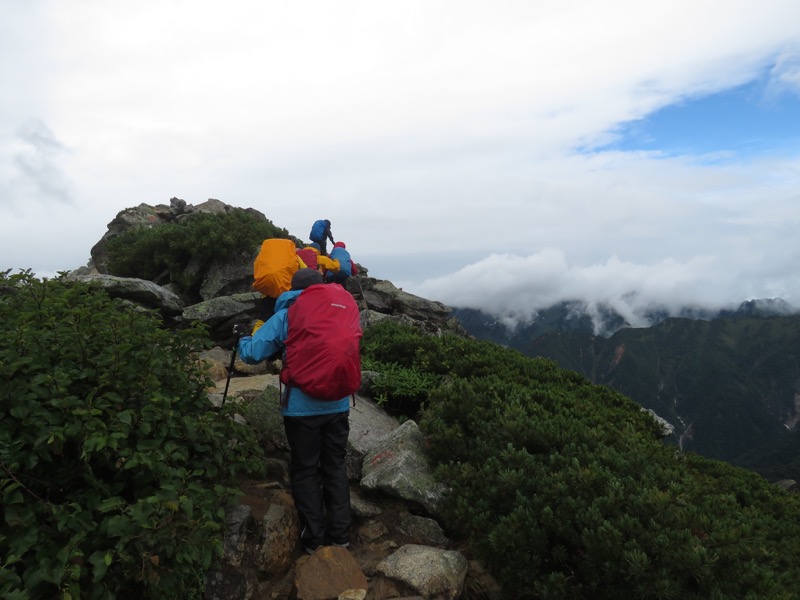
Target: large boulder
<point>397,466</point>
<point>229,276</point>
<point>431,572</point>
<point>328,573</point>
<point>143,215</point>
<point>382,299</point>
<point>220,314</point>
<point>138,291</point>
<point>368,424</point>
<point>409,304</point>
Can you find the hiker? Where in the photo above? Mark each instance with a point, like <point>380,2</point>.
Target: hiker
<point>309,256</point>
<point>346,265</point>
<point>316,428</point>
<point>313,259</point>
<point>273,268</point>
<point>321,233</point>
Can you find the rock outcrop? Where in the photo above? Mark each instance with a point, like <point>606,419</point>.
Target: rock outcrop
<point>226,296</point>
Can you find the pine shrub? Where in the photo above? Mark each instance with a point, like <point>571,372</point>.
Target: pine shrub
<point>185,248</point>
<point>565,490</point>
<point>114,468</point>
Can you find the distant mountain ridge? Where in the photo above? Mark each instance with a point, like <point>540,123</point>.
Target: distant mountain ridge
<point>729,382</point>
<point>602,319</point>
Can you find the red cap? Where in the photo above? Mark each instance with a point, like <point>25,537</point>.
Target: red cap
<point>339,245</point>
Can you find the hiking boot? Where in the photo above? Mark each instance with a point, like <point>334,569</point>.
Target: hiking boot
<point>309,545</point>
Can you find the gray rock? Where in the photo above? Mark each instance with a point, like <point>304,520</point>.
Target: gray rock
<point>397,466</point>
<point>228,277</point>
<point>238,521</point>
<point>140,216</point>
<point>423,530</point>
<point>665,427</point>
<point>281,539</point>
<point>433,572</point>
<point>409,304</point>
<point>362,507</point>
<point>368,424</point>
<point>139,291</point>
<point>219,309</point>
<point>212,206</point>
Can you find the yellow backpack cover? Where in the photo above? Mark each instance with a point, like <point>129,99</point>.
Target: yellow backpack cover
<point>274,266</point>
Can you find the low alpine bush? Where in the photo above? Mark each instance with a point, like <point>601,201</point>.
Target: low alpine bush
<point>184,249</point>
<point>114,468</point>
<point>563,488</point>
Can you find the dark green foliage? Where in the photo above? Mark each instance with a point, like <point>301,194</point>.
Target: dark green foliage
<point>779,461</point>
<point>187,247</point>
<point>401,391</point>
<point>733,380</point>
<point>564,489</point>
<point>402,387</point>
<point>114,468</point>
<point>388,342</point>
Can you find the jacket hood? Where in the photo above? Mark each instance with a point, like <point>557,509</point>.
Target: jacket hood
<point>286,299</point>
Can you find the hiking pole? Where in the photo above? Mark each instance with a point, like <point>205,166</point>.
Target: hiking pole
<point>238,333</point>
<point>361,289</point>
<point>230,371</point>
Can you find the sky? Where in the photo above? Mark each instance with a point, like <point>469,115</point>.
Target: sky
<point>502,155</point>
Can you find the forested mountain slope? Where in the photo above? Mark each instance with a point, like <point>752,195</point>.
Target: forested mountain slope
<point>731,386</point>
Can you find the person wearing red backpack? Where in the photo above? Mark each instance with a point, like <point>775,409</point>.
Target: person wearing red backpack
<point>313,259</point>
<point>317,330</point>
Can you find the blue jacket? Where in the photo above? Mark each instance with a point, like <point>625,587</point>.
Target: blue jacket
<point>268,341</point>
<point>345,262</point>
<point>319,231</point>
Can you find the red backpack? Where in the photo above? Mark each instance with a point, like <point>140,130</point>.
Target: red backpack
<point>323,354</point>
<point>309,257</point>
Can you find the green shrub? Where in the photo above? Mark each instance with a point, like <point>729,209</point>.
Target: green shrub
<point>263,416</point>
<point>564,490</point>
<point>390,342</point>
<point>114,468</point>
<point>400,391</point>
<point>185,248</point>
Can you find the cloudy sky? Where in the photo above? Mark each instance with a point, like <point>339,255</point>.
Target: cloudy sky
<point>500,155</point>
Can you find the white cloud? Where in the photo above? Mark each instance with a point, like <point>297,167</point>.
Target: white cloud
<point>514,288</point>
<point>446,129</point>
<point>785,75</point>
<point>36,164</point>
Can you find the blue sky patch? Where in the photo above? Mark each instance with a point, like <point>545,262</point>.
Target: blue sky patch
<point>743,120</point>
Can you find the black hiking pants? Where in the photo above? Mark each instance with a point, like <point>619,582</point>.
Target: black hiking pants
<point>320,487</point>
<point>265,308</point>
<point>340,278</point>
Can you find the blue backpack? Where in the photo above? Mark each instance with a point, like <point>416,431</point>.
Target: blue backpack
<point>318,231</point>
<point>345,262</point>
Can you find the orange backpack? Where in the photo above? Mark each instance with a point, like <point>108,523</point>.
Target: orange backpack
<point>274,267</point>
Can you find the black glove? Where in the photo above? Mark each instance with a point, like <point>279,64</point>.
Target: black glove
<point>240,330</point>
